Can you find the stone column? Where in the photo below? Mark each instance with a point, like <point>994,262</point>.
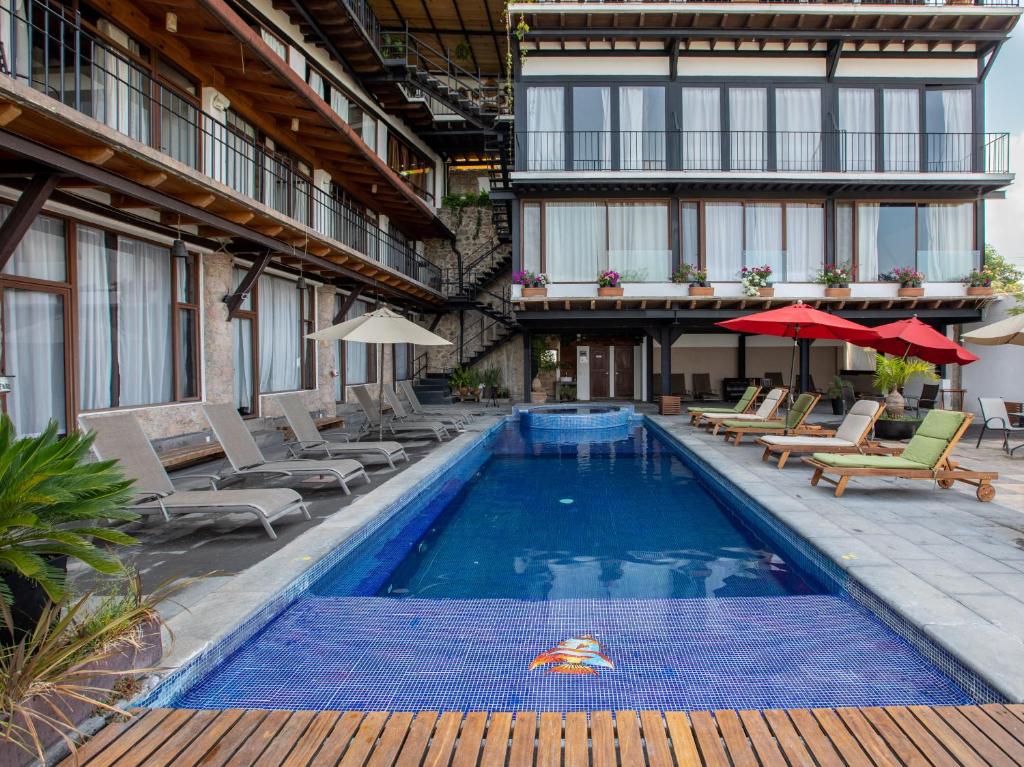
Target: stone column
<point>326,352</point>
<point>218,342</point>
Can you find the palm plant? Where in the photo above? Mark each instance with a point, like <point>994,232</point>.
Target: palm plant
<point>51,504</point>
<point>892,374</point>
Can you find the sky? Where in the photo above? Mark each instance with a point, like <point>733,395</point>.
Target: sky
<point>1004,112</point>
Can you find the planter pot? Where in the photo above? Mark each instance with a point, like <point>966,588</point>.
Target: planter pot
<point>838,407</point>
<point>837,292</point>
<point>766,292</point>
<point>895,430</point>
<point>534,292</point>
<point>979,291</point>
<point>606,292</point>
<point>696,290</point>
<point>538,397</point>
<point>29,599</point>
<point>910,292</point>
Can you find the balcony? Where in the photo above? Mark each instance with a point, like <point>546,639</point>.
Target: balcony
<point>55,55</point>
<point>678,154</point>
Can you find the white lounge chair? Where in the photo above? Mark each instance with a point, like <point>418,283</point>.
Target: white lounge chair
<point>246,458</point>
<point>765,411</point>
<point>309,440</point>
<point>850,437</point>
<point>119,436</point>
<point>406,389</point>
<point>401,415</point>
<point>995,418</point>
<point>373,424</point>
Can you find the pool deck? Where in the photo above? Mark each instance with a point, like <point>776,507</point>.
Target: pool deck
<point>939,737</point>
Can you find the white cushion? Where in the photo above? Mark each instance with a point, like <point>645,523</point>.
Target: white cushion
<point>789,441</point>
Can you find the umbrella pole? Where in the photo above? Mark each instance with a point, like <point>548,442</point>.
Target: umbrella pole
<point>380,392</point>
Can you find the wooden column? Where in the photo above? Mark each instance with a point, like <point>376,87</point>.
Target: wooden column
<point>666,361</point>
<point>741,357</point>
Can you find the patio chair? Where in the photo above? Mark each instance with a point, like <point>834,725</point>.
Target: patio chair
<point>417,407</point>
<point>247,459</point>
<point>736,430</point>
<point>400,415</point>
<point>925,457</point>
<point>702,387</point>
<point>451,420</point>
<point>765,412</point>
<point>850,437</point>
<point>374,425</point>
<point>745,405</point>
<point>119,436</point>
<point>774,380</point>
<point>925,400</point>
<point>309,439</point>
<point>996,418</point>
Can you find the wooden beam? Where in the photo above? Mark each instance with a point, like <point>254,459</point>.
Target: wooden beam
<point>94,155</point>
<point>347,302</point>
<point>9,113</point>
<point>235,300</point>
<point>24,213</point>
<point>198,200</point>
<point>240,217</point>
<point>150,178</point>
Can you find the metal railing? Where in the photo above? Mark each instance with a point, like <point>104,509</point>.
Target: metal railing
<point>763,151</point>
<point>463,278</point>
<point>57,56</point>
<point>868,3</point>
<point>362,12</point>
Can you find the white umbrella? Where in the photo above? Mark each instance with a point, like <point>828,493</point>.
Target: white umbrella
<point>381,326</point>
<point>1008,331</point>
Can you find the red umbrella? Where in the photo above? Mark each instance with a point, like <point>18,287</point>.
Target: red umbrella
<point>913,338</point>
<point>801,321</point>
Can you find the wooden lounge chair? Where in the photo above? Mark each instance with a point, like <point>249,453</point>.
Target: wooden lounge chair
<point>246,458</point>
<point>702,387</point>
<point>374,425</point>
<point>794,423</point>
<point>400,415</point>
<point>765,412</point>
<point>418,408</point>
<point>309,440</point>
<point>119,436</point>
<point>850,437</point>
<point>745,405</point>
<point>925,457</point>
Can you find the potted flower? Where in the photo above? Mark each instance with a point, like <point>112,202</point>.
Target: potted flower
<point>910,281</point>
<point>608,283</point>
<point>534,285</point>
<point>698,279</point>
<point>891,375</point>
<point>979,282</point>
<point>837,392</point>
<point>836,280</point>
<point>757,281</point>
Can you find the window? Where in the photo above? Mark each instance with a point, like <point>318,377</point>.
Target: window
<point>243,332</point>
<point>945,241</point>
<point>642,128</point>
<point>357,361</point>
<point>415,168</point>
<point>402,355</point>
<point>591,129</point>
<point>638,240</point>
<point>531,237</point>
<point>857,126</point>
<point>283,350</point>
<point>949,120</point>
<point>798,129</point>
<point>277,45</point>
<point>364,124</point>
<point>700,138</point>
<point>748,128</point>
<point>545,126</point>
<point>574,241</point>
<point>901,125</point>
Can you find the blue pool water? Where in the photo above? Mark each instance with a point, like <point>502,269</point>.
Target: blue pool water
<point>539,539</point>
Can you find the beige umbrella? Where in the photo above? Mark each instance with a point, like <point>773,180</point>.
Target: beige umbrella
<point>381,326</point>
<point>1008,331</point>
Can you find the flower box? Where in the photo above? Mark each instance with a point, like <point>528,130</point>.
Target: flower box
<point>697,290</point>
<point>979,291</point>
<point>910,292</point>
<point>837,292</point>
<point>607,292</point>
<point>534,292</point>
<point>766,292</point>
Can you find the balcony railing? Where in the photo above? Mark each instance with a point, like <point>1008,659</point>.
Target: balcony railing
<point>763,151</point>
<point>49,50</point>
<point>863,3</point>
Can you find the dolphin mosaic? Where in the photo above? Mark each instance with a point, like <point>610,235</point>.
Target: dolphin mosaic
<point>578,655</point>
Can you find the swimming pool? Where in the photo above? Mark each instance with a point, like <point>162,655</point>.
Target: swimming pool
<point>546,574</point>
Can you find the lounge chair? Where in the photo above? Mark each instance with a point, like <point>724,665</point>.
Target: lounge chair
<point>850,437</point>
<point>702,387</point>
<point>309,440</point>
<point>373,424</point>
<point>745,405</point>
<point>736,430</point>
<point>119,436</point>
<point>765,412</point>
<point>401,415</point>
<point>247,459</point>
<point>925,457</point>
<point>417,407</point>
<point>995,417</point>
<point>774,380</point>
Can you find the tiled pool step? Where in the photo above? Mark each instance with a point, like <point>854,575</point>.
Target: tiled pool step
<point>970,735</point>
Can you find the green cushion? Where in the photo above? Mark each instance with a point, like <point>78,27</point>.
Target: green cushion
<point>710,410</point>
<point>933,436</point>
<point>739,423</point>
<point>851,461</point>
<point>745,399</point>
<point>798,412</point>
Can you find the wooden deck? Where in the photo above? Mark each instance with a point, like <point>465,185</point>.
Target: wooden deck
<point>843,737</point>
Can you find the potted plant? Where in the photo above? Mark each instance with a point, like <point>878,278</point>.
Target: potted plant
<point>608,283</point>
<point>757,281</point>
<point>698,279</point>
<point>533,285</point>
<point>53,502</point>
<point>491,378</point>
<point>891,375</point>
<point>836,280</point>
<point>979,282</point>
<point>910,280</point>
<point>837,394</point>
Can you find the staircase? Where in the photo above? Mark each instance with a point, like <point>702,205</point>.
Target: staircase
<point>499,145</point>
<point>432,389</point>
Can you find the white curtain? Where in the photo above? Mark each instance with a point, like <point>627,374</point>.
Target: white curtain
<point>339,103</point>
<point>902,127</point>
<point>946,241</point>
<point>723,223</point>
<point>638,240</point>
<point>575,241</point>
<point>798,129</point>
<point>238,147</point>
<point>689,237</point>
<point>14,37</point>
<point>95,329</point>
<point>275,44</point>
<point>120,90</point>
<point>748,128</point>
<point>763,229</point>
<point>531,237</point>
<point>642,128</point>
<point>545,128</point>
<point>805,241</point>
<point>41,253</point>
<point>591,130</point>
<point>143,323</point>
<point>34,355</point>
<point>279,335</point>
<point>950,121</point>
<point>868,218</point>
<point>242,332</point>
<point>356,353</point>
<point>701,128</point>
<point>857,123</point>
<point>316,82</point>
<point>401,361</point>
<point>844,235</point>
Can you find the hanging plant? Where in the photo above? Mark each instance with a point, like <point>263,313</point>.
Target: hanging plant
<point>463,52</point>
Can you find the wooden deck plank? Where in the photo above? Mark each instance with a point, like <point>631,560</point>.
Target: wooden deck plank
<point>1006,741</point>
<point>209,738</point>
<point>659,754</point>
<point>115,732</point>
<point>391,740</point>
<point>788,739</point>
<point>929,746</point>
<point>577,737</point>
<point>818,743</point>
<point>709,740</point>
<point>761,739</point>
<point>312,739</point>
<point>141,749</point>
<point>364,739</point>
<point>602,740</point>
<point>445,733</point>
<point>254,745</point>
<point>965,730</point>
<point>496,745</point>
<point>524,735</point>
<point>336,744</point>
<point>873,743</point>
<point>467,752</point>
<point>631,748</point>
<point>905,750</point>
<point>735,738</point>
<point>167,753</point>
<point>683,744</point>
<point>949,737</point>
<point>1006,720</point>
<point>844,743</point>
<point>279,748</point>
<point>417,739</point>
<point>549,742</point>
